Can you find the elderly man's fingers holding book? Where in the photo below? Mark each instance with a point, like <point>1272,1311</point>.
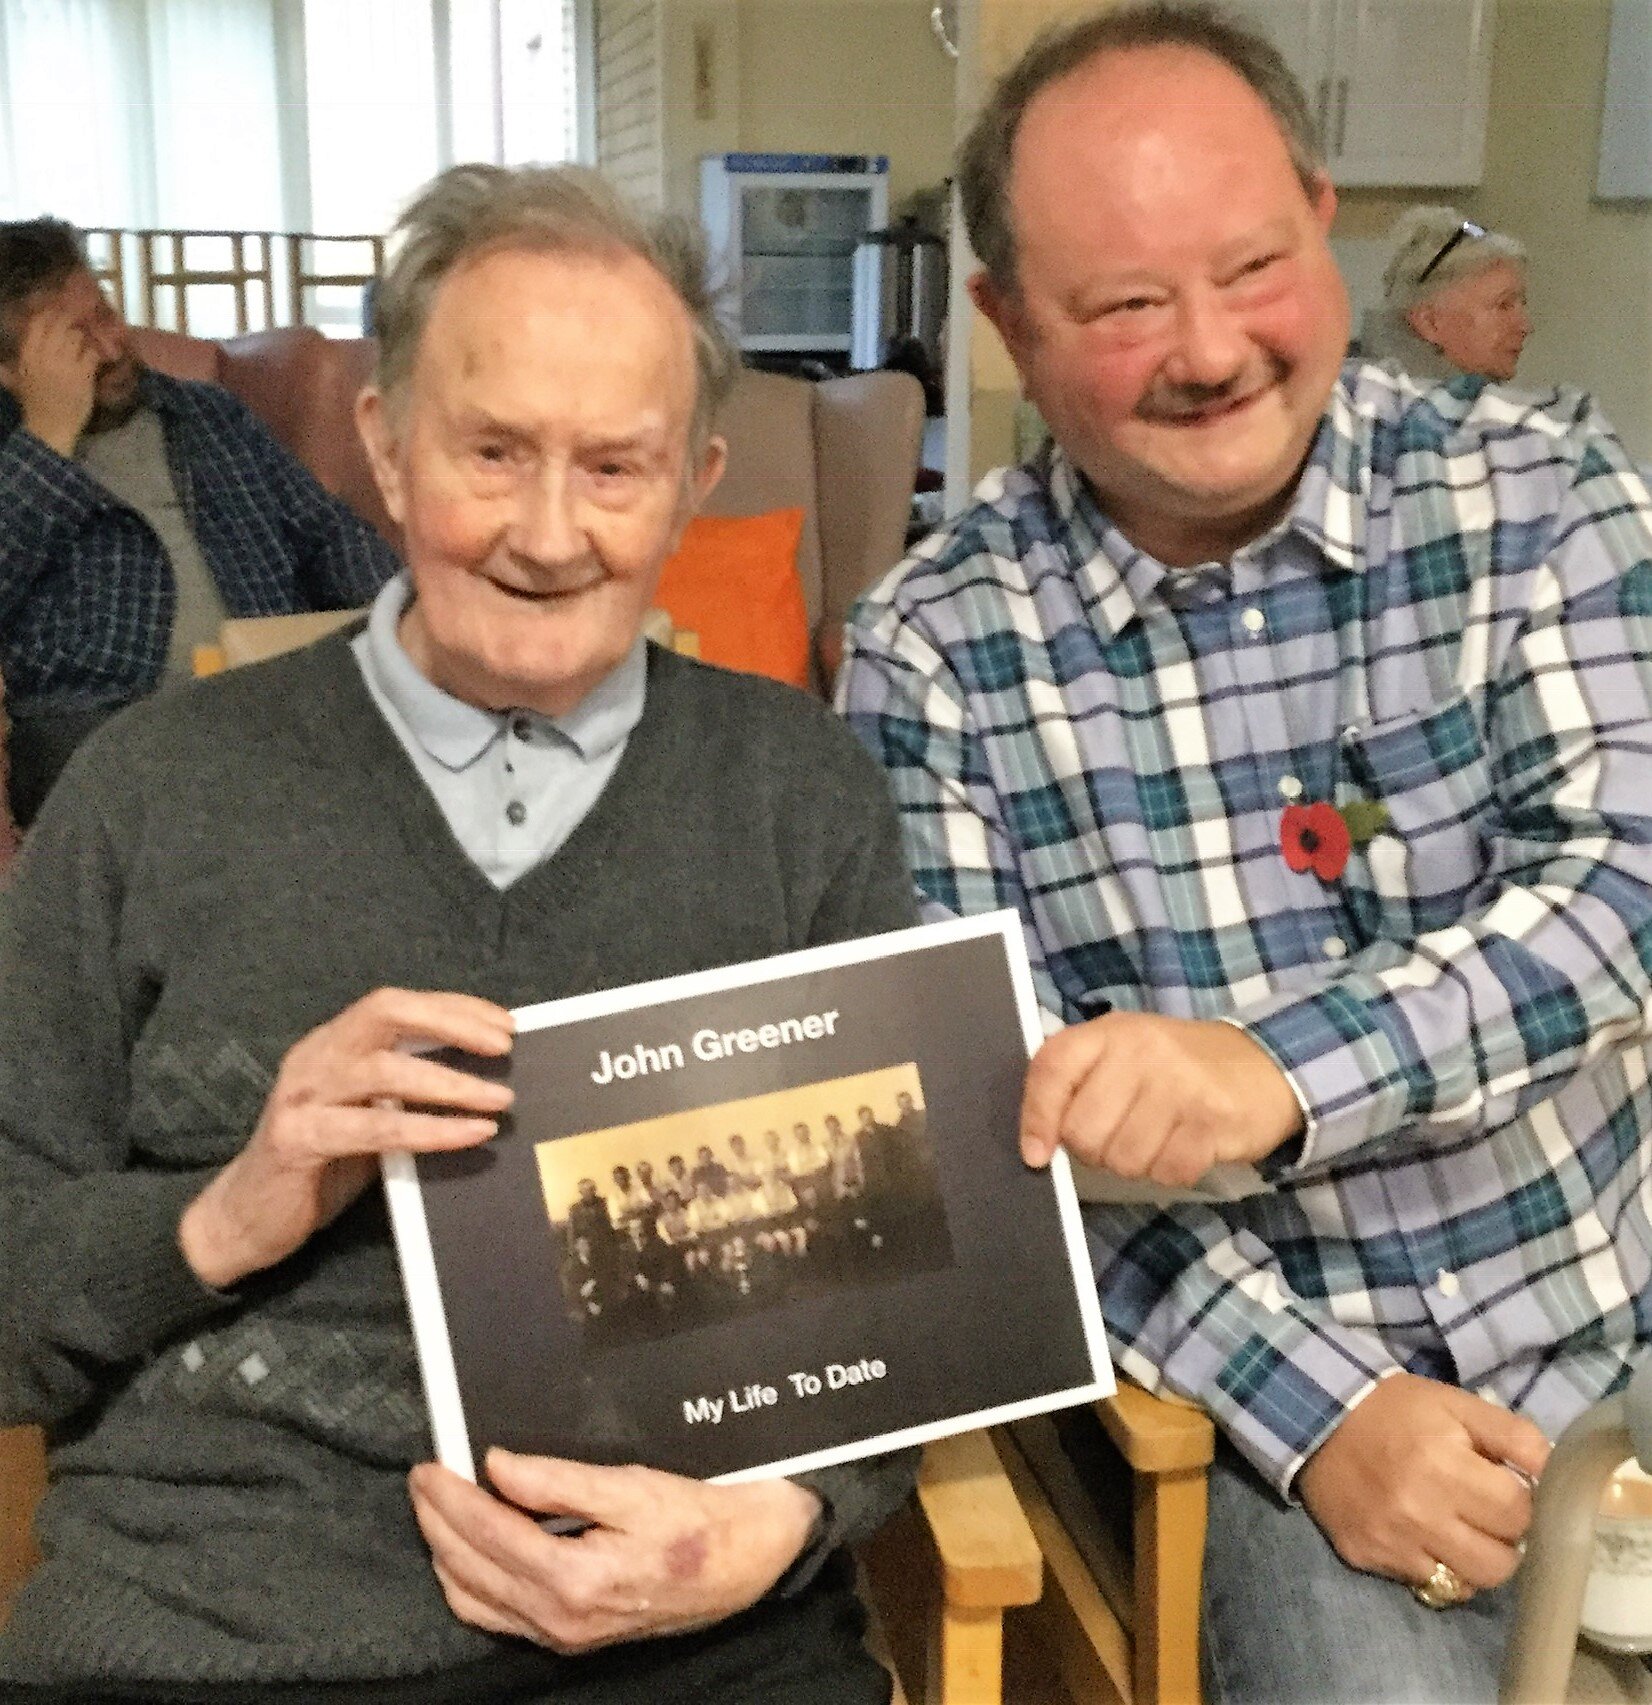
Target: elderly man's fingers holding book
<point>662,1553</point>
<point>344,1096</point>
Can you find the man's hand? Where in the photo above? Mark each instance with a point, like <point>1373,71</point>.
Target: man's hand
<point>1422,1473</point>
<point>1158,1098</point>
<point>664,1555</point>
<point>54,379</point>
<point>334,1109</point>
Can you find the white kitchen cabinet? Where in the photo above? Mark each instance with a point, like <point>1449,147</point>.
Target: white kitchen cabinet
<point>1400,87</point>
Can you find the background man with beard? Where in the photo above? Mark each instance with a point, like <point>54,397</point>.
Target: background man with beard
<point>140,511</point>
<point>1305,715</point>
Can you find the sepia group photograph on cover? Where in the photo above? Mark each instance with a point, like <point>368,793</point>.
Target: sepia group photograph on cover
<point>754,1220</point>
<point>693,1220</point>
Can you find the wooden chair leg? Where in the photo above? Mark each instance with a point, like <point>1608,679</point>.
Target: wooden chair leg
<point>1075,1622</point>
<point>22,1482</point>
<point>1118,1503</point>
<point>1170,1512</point>
<point>966,1661</point>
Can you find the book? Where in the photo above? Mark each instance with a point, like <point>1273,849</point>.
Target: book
<point>755,1220</point>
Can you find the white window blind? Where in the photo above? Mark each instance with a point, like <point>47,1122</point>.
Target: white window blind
<point>200,113</point>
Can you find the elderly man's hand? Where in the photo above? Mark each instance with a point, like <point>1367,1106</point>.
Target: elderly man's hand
<point>1159,1098</point>
<point>1421,1473</point>
<point>334,1109</point>
<point>663,1555</point>
<point>54,379</point>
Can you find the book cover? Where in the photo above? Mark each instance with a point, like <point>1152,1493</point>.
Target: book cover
<point>756,1220</point>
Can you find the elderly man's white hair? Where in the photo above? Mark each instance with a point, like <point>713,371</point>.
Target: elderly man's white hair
<point>1436,246</point>
<point>472,209</point>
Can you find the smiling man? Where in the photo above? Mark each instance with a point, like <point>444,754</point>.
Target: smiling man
<point>1305,715</point>
<point>496,793</point>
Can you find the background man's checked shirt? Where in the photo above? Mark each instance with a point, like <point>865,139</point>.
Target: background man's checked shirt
<point>86,590</point>
<point>1454,620</point>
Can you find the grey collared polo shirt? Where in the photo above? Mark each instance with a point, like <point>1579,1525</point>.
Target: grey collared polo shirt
<point>513,785</point>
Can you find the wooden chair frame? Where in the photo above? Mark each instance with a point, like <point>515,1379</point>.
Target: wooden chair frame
<point>162,265</point>
<point>112,270</point>
<point>302,276</point>
<point>1119,1616</point>
<point>155,275</point>
<point>940,1577</point>
<point>22,1481</point>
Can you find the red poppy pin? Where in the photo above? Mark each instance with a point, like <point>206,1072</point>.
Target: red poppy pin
<point>1314,837</point>
<point>1319,837</point>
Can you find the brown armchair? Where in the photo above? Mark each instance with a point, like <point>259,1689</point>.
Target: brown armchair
<point>844,451</point>
<point>301,385</point>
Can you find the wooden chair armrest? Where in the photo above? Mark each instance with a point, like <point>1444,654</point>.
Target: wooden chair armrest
<point>1157,1435</point>
<point>988,1555</point>
<point>22,1481</point>
<point>941,1574</point>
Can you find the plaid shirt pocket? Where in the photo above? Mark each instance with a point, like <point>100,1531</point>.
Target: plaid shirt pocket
<point>1427,868</point>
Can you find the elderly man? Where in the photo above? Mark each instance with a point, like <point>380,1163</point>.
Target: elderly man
<point>140,511</point>
<point>1453,299</point>
<point>247,900</point>
<point>1304,715</point>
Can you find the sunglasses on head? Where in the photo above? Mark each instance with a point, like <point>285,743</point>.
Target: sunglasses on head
<point>1461,235</point>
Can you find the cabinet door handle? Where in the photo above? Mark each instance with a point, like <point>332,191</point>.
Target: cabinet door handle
<point>1342,112</point>
<point>1322,110</point>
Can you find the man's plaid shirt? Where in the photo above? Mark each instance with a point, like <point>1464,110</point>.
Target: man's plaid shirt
<point>1454,620</point>
<point>86,590</point>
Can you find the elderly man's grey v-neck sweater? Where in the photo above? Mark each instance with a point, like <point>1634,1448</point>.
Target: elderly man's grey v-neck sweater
<point>220,872</point>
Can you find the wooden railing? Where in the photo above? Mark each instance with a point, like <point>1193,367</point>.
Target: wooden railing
<point>273,276</point>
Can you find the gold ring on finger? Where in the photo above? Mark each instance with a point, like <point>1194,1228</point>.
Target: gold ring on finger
<point>1443,1588</point>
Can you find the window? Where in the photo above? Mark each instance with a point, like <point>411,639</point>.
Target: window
<point>258,115</point>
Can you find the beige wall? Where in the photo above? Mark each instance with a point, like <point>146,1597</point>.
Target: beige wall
<point>811,76</point>
<point>848,77</point>
<point>700,35</point>
<point>1006,28</point>
<point>1591,262</point>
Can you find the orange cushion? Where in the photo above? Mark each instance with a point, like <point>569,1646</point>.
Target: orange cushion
<point>733,580</point>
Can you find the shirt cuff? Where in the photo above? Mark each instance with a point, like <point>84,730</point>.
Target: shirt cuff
<point>1289,1153</point>
<point>1342,1067</point>
<point>1288,1485</point>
